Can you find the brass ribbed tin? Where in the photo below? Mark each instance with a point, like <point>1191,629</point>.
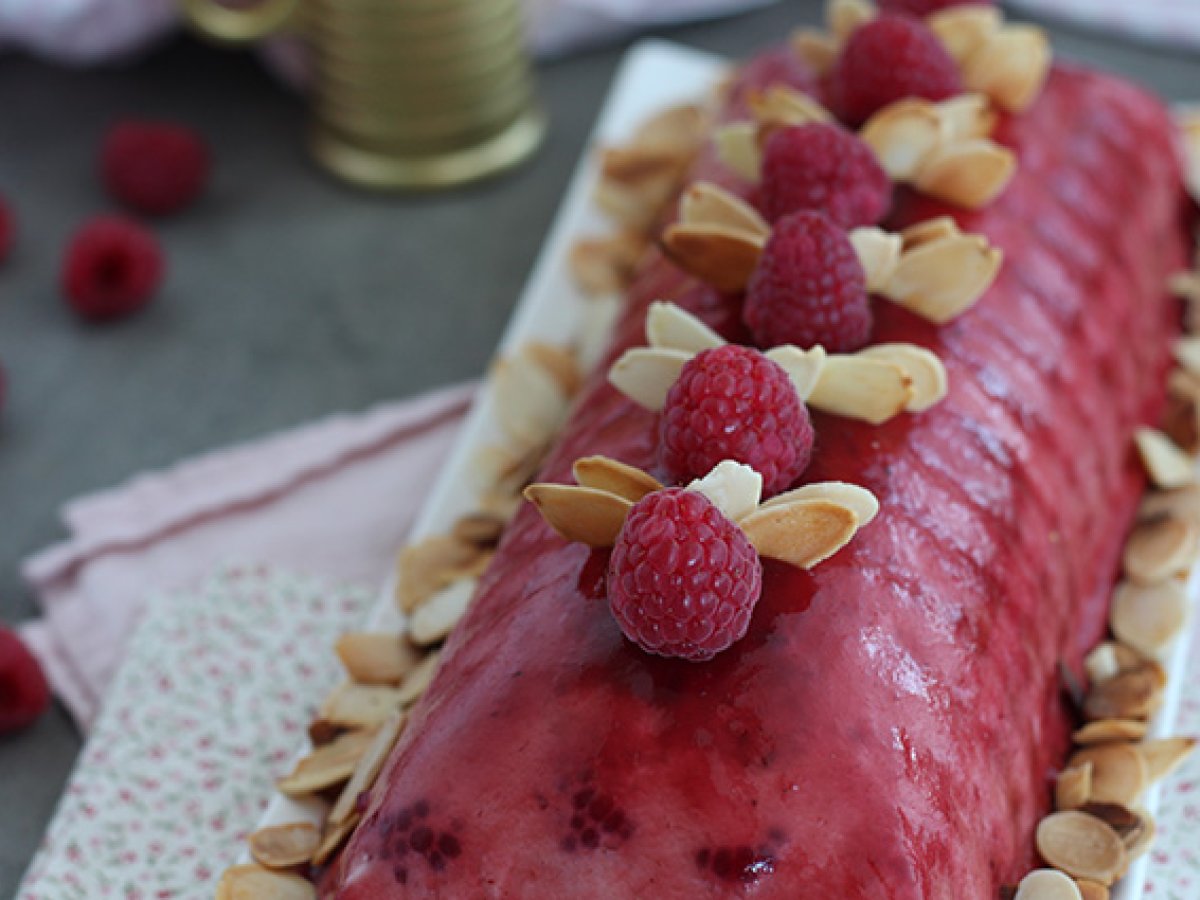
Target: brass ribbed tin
<point>406,93</point>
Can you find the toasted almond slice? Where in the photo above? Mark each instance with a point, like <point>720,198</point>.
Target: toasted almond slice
<point>782,105</point>
<point>437,616</point>
<point>969,173</point>
<point>928,231</point>
<point>1010,66</point>
<point>556,362</point>
<point>1185,285</point>
<point>1073,787</point>
<point>351,705</point>
<point>801,533</point>
<point>802,366</point>
<point>529,400</point>
<point>941,279</point>
<point>1046,884</point>
<point>479,528</point>
<point>718,255</point>
<point>413,687</point>
<point>1119,773</point>
<point>1187,353</point>
<point>816,48</point>
<point>966,116</point>
<point>1181,419</point>
<point>596,322</point>
<point>582,514</point>
<point>636,205</point>
<point>635,165</point>
<point>845,16</point>
<point>1135,694</point>
<point>879,253</point>
<point>429,565</point>
<point>1167,465</point>
<point>964,29</point>
<point>1116,816</point>
<point>1164,756</point>
<point>679,129</point>
<point>327,765</point>
<point>645,374</point>
<point>903,135</point>
<point>737,147</point>
<point>605,474</point>
<point>858,499</point>
<point>1091,890</point>
<point>671,327</point>
<point>1181,503</point>
<point>1159,549</point>
<point>1081,845</point>
<point>922,366</point>
<point>251,882</point>
<point>1138,840</point>
<point>733,487</point>
<point>859,387</point>
<point>335,835</point>
<point>1148,618</point>
<point>374,657</point>
<point>704,203</point>
<point>1110,658</point>
<point>604,265</point>
<point>1107,730</point>
<point>368,768</point>
<point>284,846</point>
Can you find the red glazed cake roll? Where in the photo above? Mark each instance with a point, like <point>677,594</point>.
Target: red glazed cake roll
<point>890,725</point>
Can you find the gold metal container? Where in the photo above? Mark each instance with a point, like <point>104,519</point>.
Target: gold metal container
<point>405,93</point>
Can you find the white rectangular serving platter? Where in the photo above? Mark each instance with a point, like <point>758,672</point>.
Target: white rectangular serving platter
<point>654,74</point>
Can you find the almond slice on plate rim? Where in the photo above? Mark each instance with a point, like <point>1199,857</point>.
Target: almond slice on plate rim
<point>376,657</point>
<point>1081,845</point>
<point>327,765</point>
<point>1109,658</point>
<point>1091,890</point>
<point>1148,618</point>
<point>1159,549</point>
<point>252,882</point>
<point>334,836</point>
<point>1164,756</point>
<point>1073,788</point>
<point>434,619</point>
<point>369,766</point>
<point>1104,731</point>
<point>1119,772</point>
<point>1047,884</point>
<point>351,705</point>
<point>1135,694</point>
<point>606,474</point>
<point>284,846</point>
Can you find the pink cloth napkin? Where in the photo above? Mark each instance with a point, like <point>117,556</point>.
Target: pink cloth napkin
<point>334,499</point>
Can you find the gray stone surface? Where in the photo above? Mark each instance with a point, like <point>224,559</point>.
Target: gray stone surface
<point>289,296</point>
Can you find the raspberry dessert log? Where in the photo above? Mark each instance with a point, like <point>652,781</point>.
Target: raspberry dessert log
<point>889,725</point>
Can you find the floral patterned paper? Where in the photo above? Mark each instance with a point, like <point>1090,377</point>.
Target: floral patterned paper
<point>208,709</point>
<point>212,704</point>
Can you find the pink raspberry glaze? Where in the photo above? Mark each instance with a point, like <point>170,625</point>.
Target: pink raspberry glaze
<point>889,725</point>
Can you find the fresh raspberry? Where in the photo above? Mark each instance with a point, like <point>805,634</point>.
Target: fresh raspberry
<point>112,268</point>
<point>826,169</point>
<point>808,288</point>
<point>24,694</point>
<point>8,230</point>
<point>734,403</point>
<point>683,579</point>
<point>155,168</point>
<point>889,59</point>
<point>925,7</point>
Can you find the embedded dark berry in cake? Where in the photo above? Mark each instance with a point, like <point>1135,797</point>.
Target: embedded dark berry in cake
<point>732,402</point>
<point>24,694</point>
<point>925,7</point>
<point>155,168</point>
<point>112,268</point>
<point>808,288</point>
<point>683,579</point>
<point>889,59</point>
<point>823,168</point>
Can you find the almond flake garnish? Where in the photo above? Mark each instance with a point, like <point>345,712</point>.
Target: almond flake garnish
<point>969,173</point>
<point>351,705</point>
<point>965,29</point>
<point>1133,694</point>
<point>1189,128</point>
<point>1074,787</point>
<point>333,838</point>
<point>817,49</point>
<point>481,529</point>
<point>530,398</point>
<point>1167,465</point>
<point>1182,503</point>
<point>1109,658</point>
<point>368,768</point>
<point>1119,773</point>
<point>437,616</point>
<point>376,657</point>
<point>1107,730</point>
<point>1091,890</point>
<point>860,387</point>
<point>734,488</point>
<point>669,327</point>
<point>1046,884</point>
<point>782,105</point>
<point>704,203</point>
<point>1138,840</point>
<point>924,369</point>
<point>1159,549</point>
<point>605,474</point>
<point>605,265</point>
<point>430,565</point>
<point>879,252</point>
<point>1081,845</point>
<point>716,254</point>
<point>1164,756</point>
<point>803,367</point>
<point>1148,618</point>
<point>251,882</point>
<point>284,846</point>
<point>737,147</point>
<point>413,687</point>
<point>857,499</point>
<point>327,765</point>
<point>582,514</point>
<point>803,532</point>
<point>645,374</point>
